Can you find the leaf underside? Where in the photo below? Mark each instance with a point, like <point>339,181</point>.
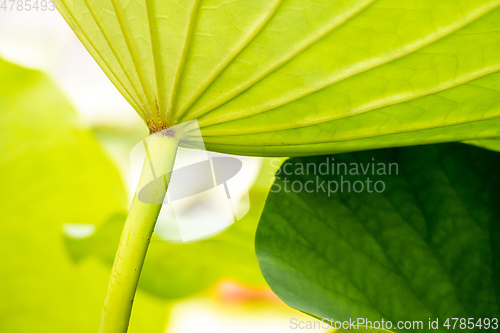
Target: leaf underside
<point>302,77</point>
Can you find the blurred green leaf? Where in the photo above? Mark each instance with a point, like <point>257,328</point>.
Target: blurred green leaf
<point>52,172</point>
<point>426,247</point>
<point>181,270</point>
<point>302,77</point>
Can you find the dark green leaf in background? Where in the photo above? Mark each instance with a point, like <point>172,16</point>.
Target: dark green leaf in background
<point>426,247</point>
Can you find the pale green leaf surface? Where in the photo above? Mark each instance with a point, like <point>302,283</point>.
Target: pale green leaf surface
<point>426,247</point>
<point>302,77</point>
<point>53,172</point>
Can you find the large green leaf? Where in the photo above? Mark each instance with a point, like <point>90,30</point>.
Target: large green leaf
<point>53,172</point>
<point>428,246</point>
<point>302,77</point>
